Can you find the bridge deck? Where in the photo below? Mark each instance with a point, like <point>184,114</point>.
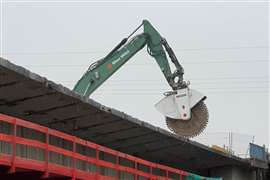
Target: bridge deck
<point>31,97</point>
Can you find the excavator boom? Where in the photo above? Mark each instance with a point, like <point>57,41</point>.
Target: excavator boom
<point>177,105</point>
<point>101,70</point>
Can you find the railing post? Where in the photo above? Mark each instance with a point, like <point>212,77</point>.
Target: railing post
<point>117,167</point>
<point>97,162</point>
<point>151,172</point>
<point>12,168</point>
<point>73,159</point>
<point>46,174</point>
<point>136,175</point>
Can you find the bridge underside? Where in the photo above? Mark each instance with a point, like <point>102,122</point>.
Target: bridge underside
<point>31,97</point>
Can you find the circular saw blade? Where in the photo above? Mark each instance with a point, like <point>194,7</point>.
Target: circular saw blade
<point>192,127</point>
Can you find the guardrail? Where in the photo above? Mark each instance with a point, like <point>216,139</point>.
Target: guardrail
<point>28,146</point>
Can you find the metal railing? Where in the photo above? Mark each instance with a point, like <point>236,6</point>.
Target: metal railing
<point>25,145</point>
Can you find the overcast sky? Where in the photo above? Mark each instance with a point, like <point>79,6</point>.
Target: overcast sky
<point>223,47</point>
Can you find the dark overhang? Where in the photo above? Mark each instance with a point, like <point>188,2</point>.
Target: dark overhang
<point>31,97</point>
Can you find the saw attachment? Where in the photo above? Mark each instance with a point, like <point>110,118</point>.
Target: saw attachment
<point>192,127</point>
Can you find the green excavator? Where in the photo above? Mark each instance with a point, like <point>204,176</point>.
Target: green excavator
<point>184,108</point>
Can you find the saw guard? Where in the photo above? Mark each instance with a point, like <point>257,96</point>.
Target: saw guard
<point>179,105</point>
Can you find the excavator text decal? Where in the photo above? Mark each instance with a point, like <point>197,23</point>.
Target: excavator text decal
<point>121,56</point>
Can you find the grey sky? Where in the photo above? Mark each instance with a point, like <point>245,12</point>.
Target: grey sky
<point>223,47</point>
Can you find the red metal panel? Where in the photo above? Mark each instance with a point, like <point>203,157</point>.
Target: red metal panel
<point>85,158</point>
<point>29,142</point>
<point>7,118</point>
<point>60,150</point>
<point>32,126</point>
<point>85,175</point>
<point>61,134</point>
<point>5,159</point>
<point>60,170</point>
<point>86,143</point>
<point>4,137</point>
<point>29,164</point>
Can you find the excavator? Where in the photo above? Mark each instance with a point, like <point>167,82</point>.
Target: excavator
<point>184,109</point>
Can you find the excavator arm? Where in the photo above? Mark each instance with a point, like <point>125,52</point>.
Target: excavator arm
<point>177,105</point>
<point>101,70</point>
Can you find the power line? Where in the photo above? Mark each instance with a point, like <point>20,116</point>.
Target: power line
<point>145,64</point>
<point>155,94</point>
<point>165,83</point>
<point>191,79</point>
<point>98,51</point>
<point>119,88</point>
<point>166,89</point>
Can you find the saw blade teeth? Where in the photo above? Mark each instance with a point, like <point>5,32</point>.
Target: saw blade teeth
<point>194,126</point>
